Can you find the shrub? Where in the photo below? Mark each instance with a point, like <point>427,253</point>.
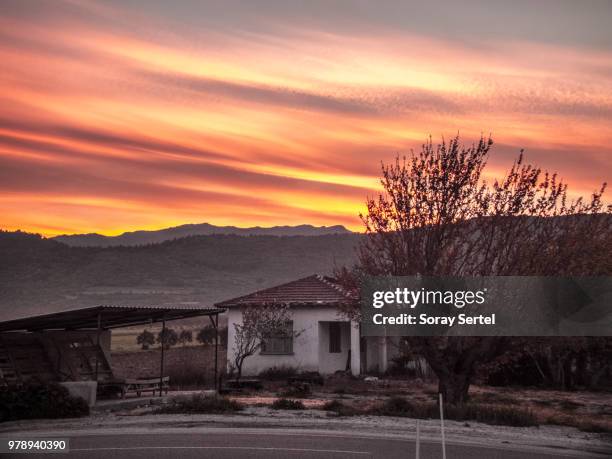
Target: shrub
<point>495,415</point>
<point>493,398</point>
<point>488,414</point>
<point>200,403</point>
<point>279,373</point>
<point>594,427</point>
<point>40,401</point>
<point>399,366</point>
<point>568,405</point>
<point>332,405</point>
<point>396,406</point>
<point>340,408</point>
<point>287,404</point>
<point>583,426</point>
<point>298,390</point>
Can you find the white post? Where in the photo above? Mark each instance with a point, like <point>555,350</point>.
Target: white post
<point>355,349</point>
<point>418,439</point>
<point>442,427</point>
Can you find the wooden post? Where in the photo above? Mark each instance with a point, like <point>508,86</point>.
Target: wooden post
<point>161,366</point>
<point>418,439</point>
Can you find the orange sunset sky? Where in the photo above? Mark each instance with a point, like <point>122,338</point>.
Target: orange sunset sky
<point>125,115</point>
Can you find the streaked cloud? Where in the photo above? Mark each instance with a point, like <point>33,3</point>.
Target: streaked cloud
<point>125,115</point>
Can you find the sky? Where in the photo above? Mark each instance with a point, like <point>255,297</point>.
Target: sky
<point>125,115</point>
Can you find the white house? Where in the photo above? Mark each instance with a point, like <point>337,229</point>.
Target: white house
<point>326,341</point>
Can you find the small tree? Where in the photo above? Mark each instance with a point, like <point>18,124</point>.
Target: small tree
<point>437,216</point>
<point>145,339</point>
<point>257,324</point>
<point>206,335</point>
<point>186,336</point>
<point>167,337</point>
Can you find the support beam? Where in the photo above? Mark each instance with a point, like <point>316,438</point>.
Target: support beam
<point>161,366</point>
<point>99,331</point>
<point>217,352</point>
<point>355,349</point>
<point>215,324</point>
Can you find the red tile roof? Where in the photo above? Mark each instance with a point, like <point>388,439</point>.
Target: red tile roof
<point>315,290</point>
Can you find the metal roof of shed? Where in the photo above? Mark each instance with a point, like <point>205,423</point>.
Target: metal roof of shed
<point>110,316</point>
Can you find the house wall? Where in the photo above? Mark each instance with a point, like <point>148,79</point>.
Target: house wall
<point>305,346</point>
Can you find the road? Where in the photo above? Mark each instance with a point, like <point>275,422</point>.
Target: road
<point>268,443</point>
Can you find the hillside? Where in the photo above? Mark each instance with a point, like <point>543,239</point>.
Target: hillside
<point>200,229</point>
<point>40,275</point>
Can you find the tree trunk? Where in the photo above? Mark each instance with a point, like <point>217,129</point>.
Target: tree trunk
<point>239,361</point>
<point>454,387</point>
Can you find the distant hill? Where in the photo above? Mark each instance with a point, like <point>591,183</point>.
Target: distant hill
<point>39,275</point>
<point>201,229</point>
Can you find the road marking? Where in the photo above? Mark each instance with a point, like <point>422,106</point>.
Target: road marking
<point>302,450</point>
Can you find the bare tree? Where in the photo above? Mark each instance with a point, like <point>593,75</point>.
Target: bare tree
<point>437,216</point>
<point>258,323</point>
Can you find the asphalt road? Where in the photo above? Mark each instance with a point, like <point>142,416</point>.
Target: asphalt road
<point>269,444</point>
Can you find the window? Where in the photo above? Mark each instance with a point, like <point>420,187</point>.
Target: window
<point>335,338</point>
<point>279,342</point>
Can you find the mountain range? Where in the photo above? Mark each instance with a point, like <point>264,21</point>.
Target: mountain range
<point>200,229</point>
<point>39,275</point>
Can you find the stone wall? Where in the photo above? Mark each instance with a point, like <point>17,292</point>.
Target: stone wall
<point>188,367</point>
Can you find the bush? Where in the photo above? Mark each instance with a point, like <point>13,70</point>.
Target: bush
<point>298,390</point>
<point>340,408</point>
<point>40,401</point>
<point>396,406</point>
<point>286,404</point>
<point>487,414</point>
<point>199,403</point>
<point>279,373</point>
<point>568,405</point>
<point>495,415</point>
<point>594,427</point>
<point>583,426</point>
<point>493,398</point>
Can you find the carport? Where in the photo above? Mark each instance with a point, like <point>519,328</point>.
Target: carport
<point>45,347</point>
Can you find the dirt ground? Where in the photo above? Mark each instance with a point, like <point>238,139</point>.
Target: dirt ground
<point>578,409</point>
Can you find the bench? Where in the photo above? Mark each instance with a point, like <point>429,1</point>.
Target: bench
<point>141,385</point>
<point>122,387</point>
